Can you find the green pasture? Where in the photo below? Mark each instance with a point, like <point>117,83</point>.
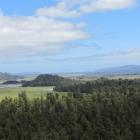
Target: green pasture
<point>31,92</point>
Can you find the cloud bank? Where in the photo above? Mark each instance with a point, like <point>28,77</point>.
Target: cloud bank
<point>37,32</point>
<point>75,8</point>
<point>46,30</point>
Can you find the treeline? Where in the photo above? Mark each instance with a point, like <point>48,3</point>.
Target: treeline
<point>101,85</point>
<point>46,80</point>
<point>100,116</point>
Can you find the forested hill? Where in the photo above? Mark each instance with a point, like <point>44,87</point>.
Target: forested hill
<point>6,76</point>
<point>46,80</point>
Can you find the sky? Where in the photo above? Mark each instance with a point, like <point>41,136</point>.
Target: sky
<point>53,36</point>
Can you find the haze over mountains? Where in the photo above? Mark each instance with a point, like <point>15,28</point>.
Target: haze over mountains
<point>122,70</point>
<point>7,76</point>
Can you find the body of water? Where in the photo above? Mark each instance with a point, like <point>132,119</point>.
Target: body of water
<point>10,86</point>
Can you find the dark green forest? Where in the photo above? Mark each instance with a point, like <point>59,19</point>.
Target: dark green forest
<point>101,85</point>
<point>110,112</point>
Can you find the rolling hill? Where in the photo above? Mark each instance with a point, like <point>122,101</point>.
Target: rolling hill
<point>46,80</point>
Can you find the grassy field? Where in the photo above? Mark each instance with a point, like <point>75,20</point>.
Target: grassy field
<point>32,92</point>
<point>92,78</point>
<point>2,81</point>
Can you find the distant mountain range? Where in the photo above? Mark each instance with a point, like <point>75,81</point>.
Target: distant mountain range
<point>123,70</point>
<point>28,74</point>
<point>7,76</point>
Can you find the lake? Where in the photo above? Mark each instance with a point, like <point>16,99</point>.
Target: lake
<point>10,85</point>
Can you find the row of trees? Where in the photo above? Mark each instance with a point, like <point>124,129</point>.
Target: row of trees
<point>100,116</point>
<point>101,85</point>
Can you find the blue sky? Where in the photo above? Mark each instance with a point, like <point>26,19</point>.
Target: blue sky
<point>68,35</point>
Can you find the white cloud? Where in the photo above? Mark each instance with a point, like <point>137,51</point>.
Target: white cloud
<point>64,8</point>
<point>75,8</point>
<point>129,54</point>
<point>102,5</point>
<point>43,32</point>
<point>35,34</point>
<point>58,11</point>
